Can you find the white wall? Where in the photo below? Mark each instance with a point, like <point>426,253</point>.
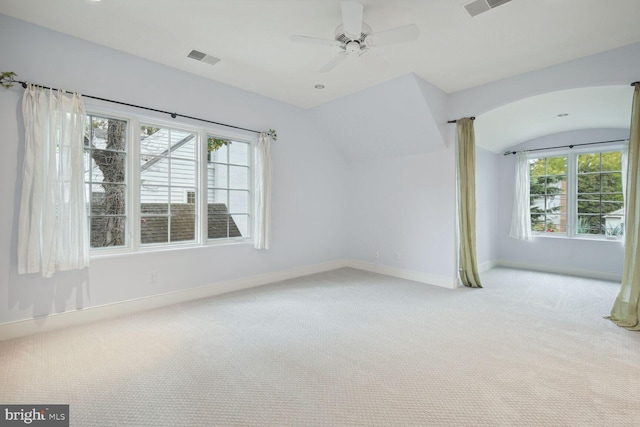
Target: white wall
<point>487,207</point>
<point>404,209</point>
<point>579,256</point>
<point>309,176</point>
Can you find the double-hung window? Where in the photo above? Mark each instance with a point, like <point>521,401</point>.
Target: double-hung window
<point>168,175</point>
<point>106,157</point>
<point>577,194</point>
<point>150,185</point>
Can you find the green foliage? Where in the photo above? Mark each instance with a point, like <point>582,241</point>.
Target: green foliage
<point>214,144</point>
<point>547,189</point>
<point>148,130</point>
<point>7,79</point>
<point>616,231</point>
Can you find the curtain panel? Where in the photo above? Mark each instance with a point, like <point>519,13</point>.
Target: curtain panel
<point>521,211</point>
<point>262,192</point>
<point>466,167</point>
<point>626,308</point>
<point>52,227</point>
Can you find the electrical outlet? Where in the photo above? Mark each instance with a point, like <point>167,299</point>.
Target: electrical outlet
<point>153,276</point>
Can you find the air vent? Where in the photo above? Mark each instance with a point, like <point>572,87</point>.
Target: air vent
<point>480,6</point>
<point>203,57</point>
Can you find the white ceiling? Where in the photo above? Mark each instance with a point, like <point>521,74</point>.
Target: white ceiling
<point>586,108</point>
<point>454,51</point>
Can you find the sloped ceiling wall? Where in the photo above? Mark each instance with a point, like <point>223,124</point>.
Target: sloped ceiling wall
<point>367,125</point>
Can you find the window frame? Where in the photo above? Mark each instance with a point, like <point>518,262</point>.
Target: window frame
<point>132,181</point>
<point>572,189</point>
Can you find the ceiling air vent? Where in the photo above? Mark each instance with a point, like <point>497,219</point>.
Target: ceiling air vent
<point>203,57</point>
<point>479,6</point>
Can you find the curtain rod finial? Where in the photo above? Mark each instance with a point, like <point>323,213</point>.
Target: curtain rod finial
<point>635,83</point>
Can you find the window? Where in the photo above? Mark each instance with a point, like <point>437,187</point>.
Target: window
<point>165,191</point>
<point>600,199</point>
<point>577,194</point>
<point>105,159</point>
<point>228,184</point>
<point>549,194</point>
<point>168,171</point>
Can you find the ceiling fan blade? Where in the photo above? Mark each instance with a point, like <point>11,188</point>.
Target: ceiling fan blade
<point>305,39</point>
<point>394,35</point>
<point>334,62</point>
<point>352,19</point>
<point>372,59</point>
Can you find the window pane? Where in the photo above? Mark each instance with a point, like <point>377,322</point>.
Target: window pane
<point>589,162</point>
<point>239,201</point>
<point>588,224</point>
<point>108,199</point>
<point>218,226</point>
<point>556,224</point>
<point>241,224</point>
<point>220,155</point>
<point>154,141</point>
<point>154,230</point>
<point>183,145</point>
<point>556,184</point>
<point>589,183</point>
<point>105,161</point>
<point>154,199</point>
<point>239,153</point>
<point>220,175</point>
<point>612,206</point>
<point>556,166</point>
<point>168,184</point>
<point>183,172</point>
<point>218,196</point>
<point>548,190</point>
<point>556,204</point>
<point>107,231</point>
<point>238,177</point>
<point>612,161</point>
<point>154,171</point>
<point>182,225</point>
<point>588,207</point>
<point>537,167</point>
<point>612,182</point>
<point>538,185</point>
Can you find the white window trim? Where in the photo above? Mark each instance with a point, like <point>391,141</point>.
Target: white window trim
<point>572,190</point>
<point>132,170</point>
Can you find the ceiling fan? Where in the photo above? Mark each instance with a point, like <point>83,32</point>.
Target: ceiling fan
<point>355,37</point>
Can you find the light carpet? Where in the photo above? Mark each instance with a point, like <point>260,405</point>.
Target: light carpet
<point>345,348</point>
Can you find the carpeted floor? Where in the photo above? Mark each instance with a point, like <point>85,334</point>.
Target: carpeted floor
<point>346,348</point>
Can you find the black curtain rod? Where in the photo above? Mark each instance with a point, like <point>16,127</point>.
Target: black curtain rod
<point>455,121</point>
<point>173,115</point>
<point>506,153</point>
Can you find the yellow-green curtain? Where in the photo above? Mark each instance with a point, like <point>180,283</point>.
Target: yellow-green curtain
<point>467,261</point>
<point>626,311</point>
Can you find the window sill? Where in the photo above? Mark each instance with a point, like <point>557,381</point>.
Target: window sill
<point>577,237</point>
<point>109,253</point>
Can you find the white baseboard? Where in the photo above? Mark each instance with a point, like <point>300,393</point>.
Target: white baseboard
<point>614,277</point>
<point>416,276</point>
<point>91,314</point>
<point>487,266</point>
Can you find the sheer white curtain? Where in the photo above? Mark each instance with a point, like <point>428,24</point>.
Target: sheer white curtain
<point>262,189</point>
<point>521,212</point>
<point>53,233</point>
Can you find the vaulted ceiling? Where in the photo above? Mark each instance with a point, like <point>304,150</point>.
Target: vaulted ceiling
<point>453,52</point>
